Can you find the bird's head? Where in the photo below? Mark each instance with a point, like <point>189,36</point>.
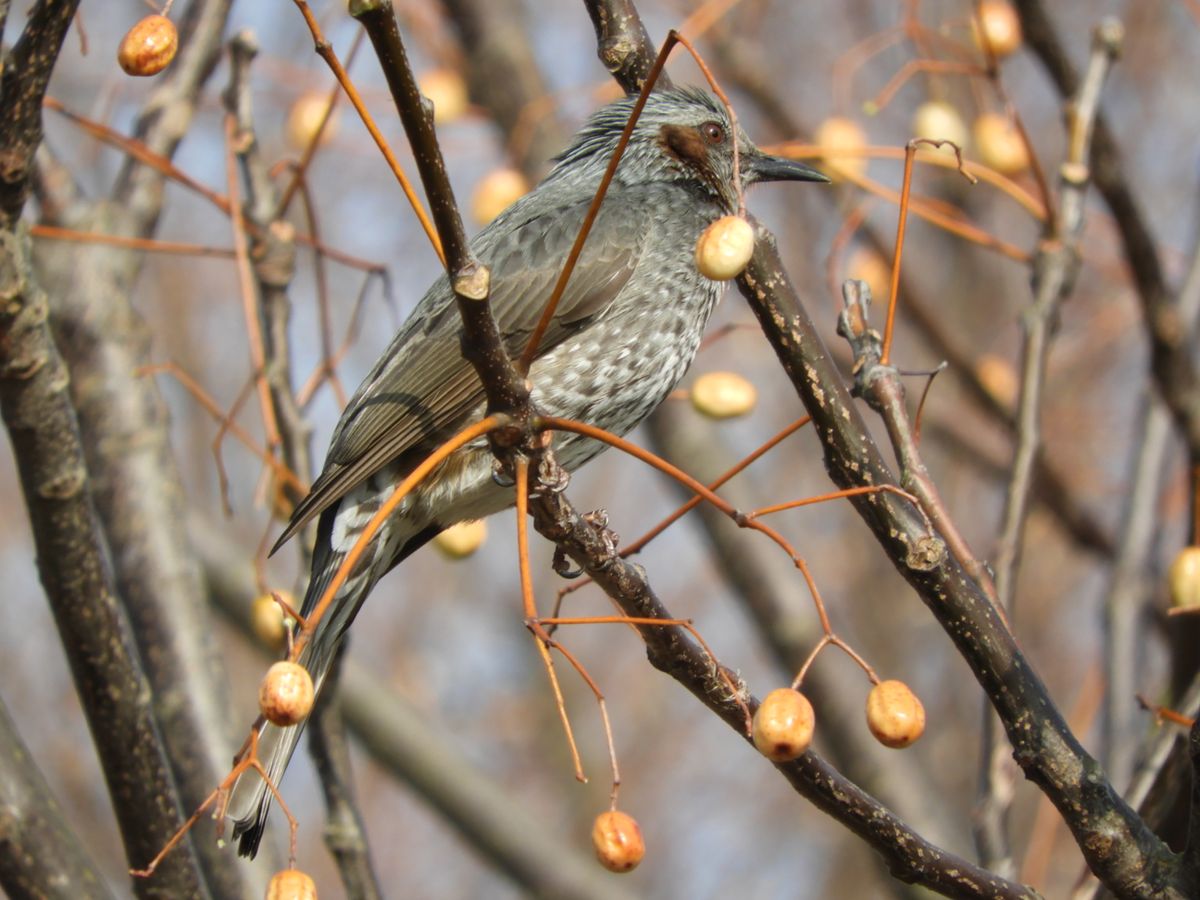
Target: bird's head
<point>683,134</point>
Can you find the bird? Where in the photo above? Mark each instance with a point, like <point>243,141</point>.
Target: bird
<point>624,333</point>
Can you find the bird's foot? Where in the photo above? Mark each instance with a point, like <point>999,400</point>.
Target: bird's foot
<point>501,476</point>
<point>563,565</point>
<point>551,478</point>
<point>598,519</point>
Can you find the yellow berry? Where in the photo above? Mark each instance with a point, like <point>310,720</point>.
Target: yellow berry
<point>618,841</point>
<point>999,23</point>
<point>867,265</point>
<point>291,884</point>
<point>939,121</point>
<point>305,117</point>
<point>267,618</point>
<point>783,725</point>
<point>723,395</point>
<point>461,540</point>
<point>447,92</point>
<point>999,144</point>
<point>285,696</point>
<point>149,46</point>
<point>724,248</point>
<point>497,191</point>
<point>894,714</point>
<point>838,137</point>
<point>999,377</point>
<point>1184,578</point>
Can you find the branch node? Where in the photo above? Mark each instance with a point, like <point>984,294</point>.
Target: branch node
<point>473,281</point>
<point>926,554</point>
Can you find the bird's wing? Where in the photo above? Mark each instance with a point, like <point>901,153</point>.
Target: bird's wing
<point>421,390</point>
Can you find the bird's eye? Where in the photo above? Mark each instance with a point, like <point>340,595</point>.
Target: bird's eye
<point>713,132</point>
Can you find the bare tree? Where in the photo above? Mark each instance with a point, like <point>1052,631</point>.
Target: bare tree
<point>179,319</point>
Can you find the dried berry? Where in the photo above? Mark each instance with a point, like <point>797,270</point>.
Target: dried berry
<point>838,137</point>
<point>291,884</point>
<point>149,46</point>
<point>286,694</point>
<point>461,540</point>
<point>783,725</point>
<point>266,616</point>
<point>1000,145</point>
<point>724,248</point>
<point>894,714</point>
<point>497,191</point>
<point>723,395</point>
<point>999,23</point>
<point>447,92</point>
<point>1184,578</point>
<point>618,841</point>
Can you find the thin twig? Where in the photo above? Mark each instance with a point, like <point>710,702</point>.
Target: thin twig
<point>1055,268</point>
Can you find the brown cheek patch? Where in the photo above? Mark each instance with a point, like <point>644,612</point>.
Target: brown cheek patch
<point>685,144</point>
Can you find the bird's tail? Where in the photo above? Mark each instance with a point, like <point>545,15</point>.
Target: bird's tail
<point>250,798</point>
<point>337,531</point>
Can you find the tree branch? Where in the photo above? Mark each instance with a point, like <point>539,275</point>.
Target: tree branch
<point>1172,359</point>
<point>40,856</point>
<point>124,425</point>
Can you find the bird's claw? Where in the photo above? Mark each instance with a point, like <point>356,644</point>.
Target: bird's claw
<point>598,519</point>
<point>501,476</point>
<point>551,478</point>
<point>563,566</point>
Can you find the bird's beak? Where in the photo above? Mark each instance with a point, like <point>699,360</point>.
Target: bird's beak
<point>760,166</point>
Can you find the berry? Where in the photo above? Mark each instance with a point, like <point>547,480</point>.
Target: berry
<point>447,91</point>
<point>894,714</point>
<point>724,248</point>
<point>304,118</point>
<point>618,841</point>
<point>1184,578</point>
<point>999,377</point>
<point>1001,27</point>
<point>939,121</point>
<point>286,694</point>
<point>999,144</point>
<point>835,136</point>
<point>867,265</point>
<point>291,884</point>
<point>497,191</point>
<point>266,616</point>
<point>783,725</point>
<point>149,46</point>
<point>723,395</point>
<point>461,540</point>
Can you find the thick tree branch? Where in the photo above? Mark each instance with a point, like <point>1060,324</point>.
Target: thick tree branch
<point>746,69</point>
<point>46,443</point>
<point>908,856</point>
<point>1118,846</point>
<point>765,582</point>
<point>26,73</point>
<point>621,43</point>
<point>482,345</point>
<point>40,856</point>
<point>124,424</point>
<point>1055,267</point>
<point>73,565</point>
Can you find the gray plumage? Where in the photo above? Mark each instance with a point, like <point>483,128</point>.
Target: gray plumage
<point>625,331</point>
